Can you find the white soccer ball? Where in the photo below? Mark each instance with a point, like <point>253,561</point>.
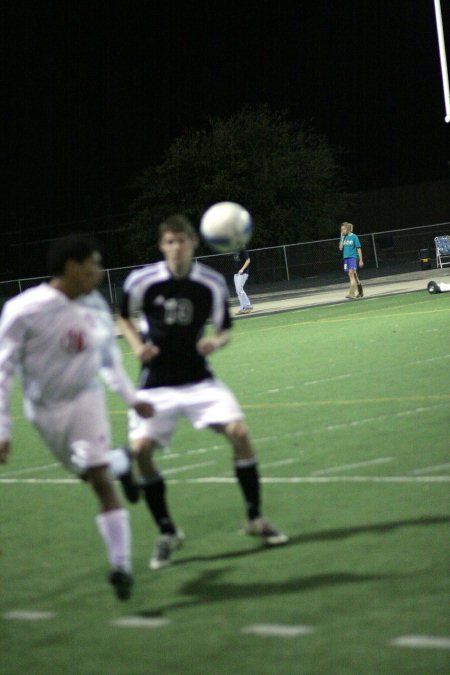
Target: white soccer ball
<point>226,227</point>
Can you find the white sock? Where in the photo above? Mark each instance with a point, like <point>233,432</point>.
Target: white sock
<point>114,527</point>
<point>119,462</point>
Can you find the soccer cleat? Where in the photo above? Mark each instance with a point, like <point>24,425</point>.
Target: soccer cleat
<point>433,287</point>
<point>164,547</point>
<point>129,486</point>
<point>349,296</point>
<point>122,583</point>
<point>260,527</point>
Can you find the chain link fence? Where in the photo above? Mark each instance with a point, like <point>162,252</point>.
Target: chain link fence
<point>291,265</point>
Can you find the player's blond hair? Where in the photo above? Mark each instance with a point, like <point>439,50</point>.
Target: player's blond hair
<point>349,226</point>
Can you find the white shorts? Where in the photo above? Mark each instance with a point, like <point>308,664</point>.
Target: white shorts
<point>77,432</point>
<point>205,404</point>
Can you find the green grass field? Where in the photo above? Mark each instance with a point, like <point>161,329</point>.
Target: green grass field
<point>349,409</point>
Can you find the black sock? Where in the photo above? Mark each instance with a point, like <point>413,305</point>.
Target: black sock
<point>155,496</point>
<point>248,477</point>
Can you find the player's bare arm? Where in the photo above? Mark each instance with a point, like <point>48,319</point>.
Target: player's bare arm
<point>143,351</point>
<point>341,241</point>
<point>208,344</point>
<point>5,448</point>
<point>244,266</point>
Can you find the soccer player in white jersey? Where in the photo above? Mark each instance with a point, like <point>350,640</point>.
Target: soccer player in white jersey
<point>59,336</point>
<point>177,299</point>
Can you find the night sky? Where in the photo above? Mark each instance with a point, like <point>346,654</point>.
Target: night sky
<point>94,92</point>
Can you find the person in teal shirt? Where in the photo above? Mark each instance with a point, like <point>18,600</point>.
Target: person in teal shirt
<point>350,246</point>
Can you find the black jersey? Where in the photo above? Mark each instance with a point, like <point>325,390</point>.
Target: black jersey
<point>239,258</point>
<point>176,311</point>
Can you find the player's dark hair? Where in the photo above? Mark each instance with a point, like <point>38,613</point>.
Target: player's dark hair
<point>176,223</point>
<point>72,247</point>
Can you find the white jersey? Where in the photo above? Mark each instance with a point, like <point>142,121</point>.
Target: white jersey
<point>59,346</point>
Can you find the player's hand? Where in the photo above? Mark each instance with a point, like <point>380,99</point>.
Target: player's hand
<point>147,352</point>
<point>361,264</point>
<point>207,345</point>
<point>144,409</point>
<point>5,448</point>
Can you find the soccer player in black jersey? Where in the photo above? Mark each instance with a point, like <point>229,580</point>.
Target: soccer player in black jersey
<point>177,298</point>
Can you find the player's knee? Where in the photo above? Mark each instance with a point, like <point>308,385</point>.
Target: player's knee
<point>142,446</point>
<point>99,477</point>
<point>101,482</point>
<point>237,432</point>
<point>143,453</point>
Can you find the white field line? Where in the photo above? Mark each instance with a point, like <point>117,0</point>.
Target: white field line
<point>277,630</point>
<point>264,630</point>
<point>421,642</point>
<point>345,402</point>
<point>368,371</point>
<point>140,622</point>
<point>168,455</point>
<point>268,439</point>
<point>291,480</point>
<point>432,358</point>
<point>430,469</point>
<point>331,379</point>
<point>28,615</point>
<point>356,465</point>
<point>364,316</point>
<point>323,430</point>
<point>331,428</point>
<point>187,467</point>
<point>282,462</point>
<point>330,479</point>
<point>4,477</point>
<point>19,472</point>
<point>200,451</point>
<point>277,391</point>
<point>40,481</point>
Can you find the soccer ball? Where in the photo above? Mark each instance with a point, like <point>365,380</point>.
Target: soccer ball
<point>226,227</point>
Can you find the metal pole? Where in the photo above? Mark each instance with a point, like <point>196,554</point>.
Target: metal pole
<point>110,288</point>
<point>443,57</point>
<point>286,263</point>
<point>375,251</point>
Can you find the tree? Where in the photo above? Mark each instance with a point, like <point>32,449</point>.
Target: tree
<point>285,174</point>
